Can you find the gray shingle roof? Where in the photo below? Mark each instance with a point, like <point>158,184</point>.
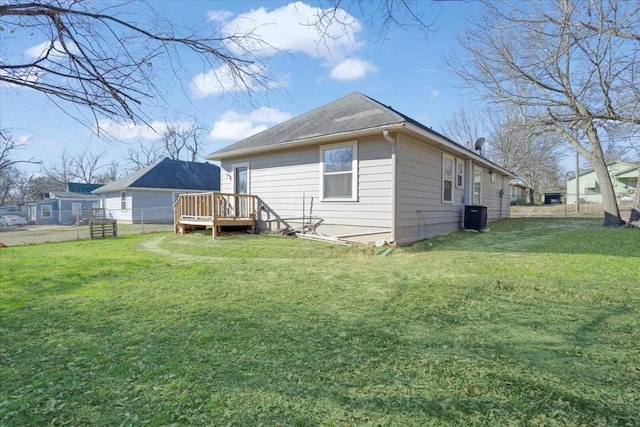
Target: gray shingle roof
<point>349,113</point>
<point>169,174</point>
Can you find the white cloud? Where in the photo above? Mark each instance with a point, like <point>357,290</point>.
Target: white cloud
<point>219,15</point>
<point>294,28</point>
<point>129,130</point>
<point>58,51</point>
<point>223,79</point>
<point>435,93</point>
<point>352,69</point>
<point>235,126</point>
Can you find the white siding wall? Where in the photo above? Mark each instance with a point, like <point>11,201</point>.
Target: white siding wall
<point>280,180</point>
<point>112,206</point>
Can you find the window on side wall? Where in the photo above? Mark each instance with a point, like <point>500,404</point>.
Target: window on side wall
<point>46,211</point>
<point>477,185</point>
<point>447,178</point>
<point>459,173</point>
<point>123,201</point>
<point>338,170</point>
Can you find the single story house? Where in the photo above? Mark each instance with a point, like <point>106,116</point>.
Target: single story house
<point>64,207</point>
<point>356,168</point>
<point>148,194</point>
<point>520,193</point>
<point>624,177</point>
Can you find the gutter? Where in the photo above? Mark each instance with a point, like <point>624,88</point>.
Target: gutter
<point>394,172</point>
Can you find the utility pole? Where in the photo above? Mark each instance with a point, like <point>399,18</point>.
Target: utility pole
<point>577,182</point>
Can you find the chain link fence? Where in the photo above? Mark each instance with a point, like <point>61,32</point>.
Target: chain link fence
<point>24,227</point>
<point>585,206</point>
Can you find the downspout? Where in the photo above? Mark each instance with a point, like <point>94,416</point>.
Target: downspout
<point>394,167</point>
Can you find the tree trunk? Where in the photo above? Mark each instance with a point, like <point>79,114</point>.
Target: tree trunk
<point>609,203</point>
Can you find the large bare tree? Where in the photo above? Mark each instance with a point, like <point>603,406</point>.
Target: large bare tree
<point>531,156</point>
<point>84,167</point>
<point>465,126</point>
<point>571,66</point>
<point>178,141</point>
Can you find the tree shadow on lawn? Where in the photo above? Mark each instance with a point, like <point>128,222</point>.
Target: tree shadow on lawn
<point>279,367</point>
<point>541,235</point>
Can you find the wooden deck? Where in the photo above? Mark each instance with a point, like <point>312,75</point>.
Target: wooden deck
<point>201,210</point>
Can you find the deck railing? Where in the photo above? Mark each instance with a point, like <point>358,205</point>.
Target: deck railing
<point>214,209</point>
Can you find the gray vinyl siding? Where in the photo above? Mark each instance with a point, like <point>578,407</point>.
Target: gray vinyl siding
<point>420,212</point>
<point>280,180</point>
<point>152,206</point>
<point>497,206</point>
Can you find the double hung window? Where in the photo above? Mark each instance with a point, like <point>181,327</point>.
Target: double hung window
<point>339,169</point>
<point>447,178</point>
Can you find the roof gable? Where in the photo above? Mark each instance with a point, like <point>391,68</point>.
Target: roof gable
<point>347,114</point>
<point>169,174</point>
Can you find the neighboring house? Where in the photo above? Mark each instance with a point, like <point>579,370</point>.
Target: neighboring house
<point>148,194</point>
<point>624,177</point>
<point>64,207</point>
<point>519,193</point>
<point>359,168</point>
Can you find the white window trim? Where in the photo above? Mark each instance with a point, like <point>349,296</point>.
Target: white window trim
<point>473,186</point>
<point>446,157</point>
<point>233,175</point>
<point>123,193</point>
<point>49,213</point>
<point>460,172</point>
<point>354,172</point>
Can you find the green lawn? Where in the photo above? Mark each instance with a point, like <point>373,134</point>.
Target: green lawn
<point>536,322</point>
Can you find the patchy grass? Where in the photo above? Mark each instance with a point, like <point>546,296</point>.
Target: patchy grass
<point>536,322</point>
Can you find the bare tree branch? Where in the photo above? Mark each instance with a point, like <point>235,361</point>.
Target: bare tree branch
<point>94,58</point>
<point>8,148</point>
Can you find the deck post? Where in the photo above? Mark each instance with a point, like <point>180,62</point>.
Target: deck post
<point>214,227</point>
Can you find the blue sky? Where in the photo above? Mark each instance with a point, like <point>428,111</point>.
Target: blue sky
<point>403,71</point>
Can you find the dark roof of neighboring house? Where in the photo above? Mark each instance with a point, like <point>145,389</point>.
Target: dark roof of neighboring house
<point>80,187</point>
<point>351,113</point>
<point>169,174</point>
